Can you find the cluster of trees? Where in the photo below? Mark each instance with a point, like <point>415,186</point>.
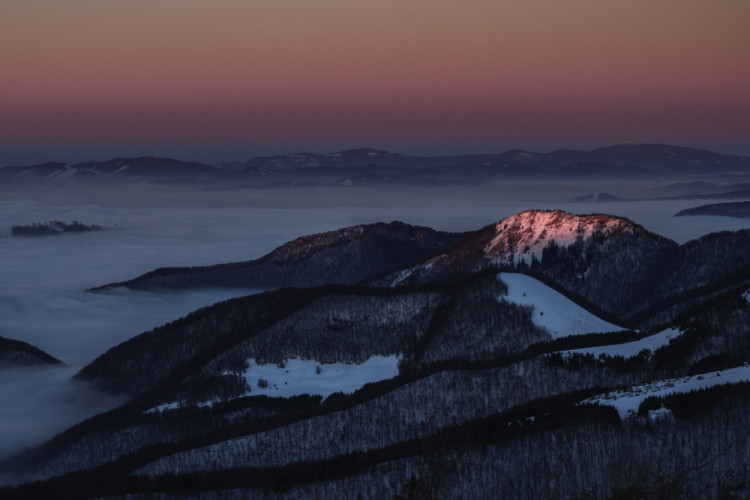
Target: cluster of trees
<point>687,404</point>
<point>714,336</point>
<point>53,227</point>
<point>548,447</point>
<point>18,353</point>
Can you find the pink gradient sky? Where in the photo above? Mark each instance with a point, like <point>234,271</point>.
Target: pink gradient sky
<point>278,75</point>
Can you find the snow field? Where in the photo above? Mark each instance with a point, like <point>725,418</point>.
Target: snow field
<point>630,349</point>
<point>295,377</point>
<point>627,401</point>
<point>303,376</point>
<point>552,310</point>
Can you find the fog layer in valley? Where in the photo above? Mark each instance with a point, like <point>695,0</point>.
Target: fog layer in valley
<point>39,403</point>
<point>43,279</point>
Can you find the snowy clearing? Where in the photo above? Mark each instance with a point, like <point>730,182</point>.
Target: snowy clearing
<point>552,310</point>
<point>626,402</point>
<point>306,376</point>
<point>630,349</point>
<point>303,376</point>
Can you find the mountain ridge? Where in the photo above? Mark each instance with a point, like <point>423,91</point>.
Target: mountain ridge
<point>735,209</point>
<point>364,250</point>
<point>635,158</point>
<point>610,261</point>
<point>617,265</point>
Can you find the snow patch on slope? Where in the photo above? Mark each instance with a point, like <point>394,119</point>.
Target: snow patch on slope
<point>552,310</point>
<point>303,376</point>
<point>68,171</point>
<point>165,407</point>
<point>746,295</point>
<point>627,401</point>
<point>306,376</point>
<point>630,349</point>
<point>526,234</point>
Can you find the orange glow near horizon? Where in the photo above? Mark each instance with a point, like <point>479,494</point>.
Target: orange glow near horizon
<point>295,70</point>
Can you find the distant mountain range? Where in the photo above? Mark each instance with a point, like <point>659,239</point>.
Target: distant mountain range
<point>146,168</point>
<point>53,228</point>
<point>598,198</point>
<point>657,157</point>
<point>363,165</point>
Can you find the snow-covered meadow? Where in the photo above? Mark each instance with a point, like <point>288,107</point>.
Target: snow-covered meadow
<point>552,310</point>
<point>627,401</point>
<point>304,376</point>
<point>630,349</point>
<point>295,377</point>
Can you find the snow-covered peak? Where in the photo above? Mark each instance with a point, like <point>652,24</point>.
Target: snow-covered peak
<point>527,233</point>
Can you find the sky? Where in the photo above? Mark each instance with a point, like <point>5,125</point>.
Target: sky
<point>228,79</point>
